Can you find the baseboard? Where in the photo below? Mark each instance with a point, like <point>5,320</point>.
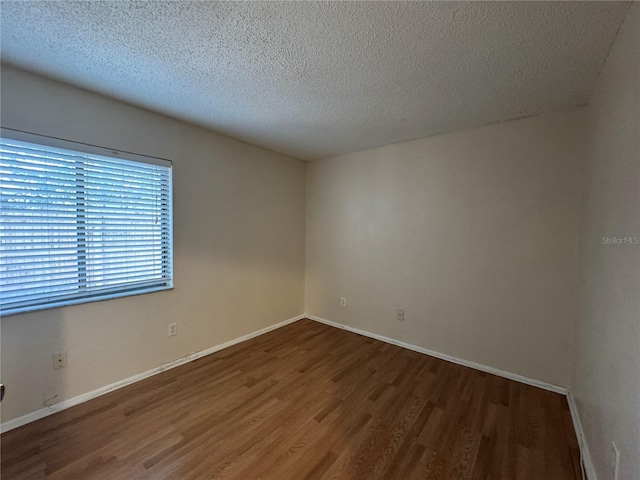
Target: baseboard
<point>449,358</point>
<point>71,402</point>
<point>589,472</point>
<point>585,457</point>
<point>44,412</point>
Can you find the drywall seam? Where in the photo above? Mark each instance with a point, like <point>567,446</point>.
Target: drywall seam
<point>585,456</point>
<point>449,358</point>
<point>71,402</point>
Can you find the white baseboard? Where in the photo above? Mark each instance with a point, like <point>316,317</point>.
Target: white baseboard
<point>585,457</point>
<point>449,358</point>
<point>71,402</point>
<point>44,412</point>
<point>588,471</point>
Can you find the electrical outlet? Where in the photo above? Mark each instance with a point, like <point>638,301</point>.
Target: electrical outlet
<point>343,302</point>
<point>173,329</point>
<point>59,360</point>
<point>399,314</point>
<point>615,460</point>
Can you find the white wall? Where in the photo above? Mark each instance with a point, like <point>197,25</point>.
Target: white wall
<point>473,234</point>
<point>606,380</point>
<point>239,219</point>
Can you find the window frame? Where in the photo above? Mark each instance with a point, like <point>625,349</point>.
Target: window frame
<point>54,142</point>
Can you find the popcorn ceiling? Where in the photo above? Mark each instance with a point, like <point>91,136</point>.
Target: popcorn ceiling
<point>313,79</point>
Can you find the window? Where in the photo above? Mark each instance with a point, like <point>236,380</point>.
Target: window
<point>80,223</point>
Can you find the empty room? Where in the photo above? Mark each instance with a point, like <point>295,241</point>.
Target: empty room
<point>300,240</point>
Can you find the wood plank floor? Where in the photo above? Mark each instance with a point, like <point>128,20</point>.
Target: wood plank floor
<point>306,401</point>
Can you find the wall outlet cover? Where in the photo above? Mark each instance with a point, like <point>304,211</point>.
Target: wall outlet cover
<point>173,329</point>
<point>59,360</point>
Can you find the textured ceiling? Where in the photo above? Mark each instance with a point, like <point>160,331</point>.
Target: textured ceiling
<point>314,79</point>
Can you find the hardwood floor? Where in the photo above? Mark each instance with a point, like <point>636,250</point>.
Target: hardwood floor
<point>306,401</point>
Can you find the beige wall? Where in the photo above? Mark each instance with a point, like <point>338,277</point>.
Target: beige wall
<point>239,220</point>
<point>473,234</point>
<point>606,380</point>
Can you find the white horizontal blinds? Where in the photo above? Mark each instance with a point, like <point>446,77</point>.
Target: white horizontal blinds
<point>76,225</point>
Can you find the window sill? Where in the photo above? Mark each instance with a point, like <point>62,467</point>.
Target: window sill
<point>79,301</point>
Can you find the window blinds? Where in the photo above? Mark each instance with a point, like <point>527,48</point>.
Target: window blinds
<point>77,226</point>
